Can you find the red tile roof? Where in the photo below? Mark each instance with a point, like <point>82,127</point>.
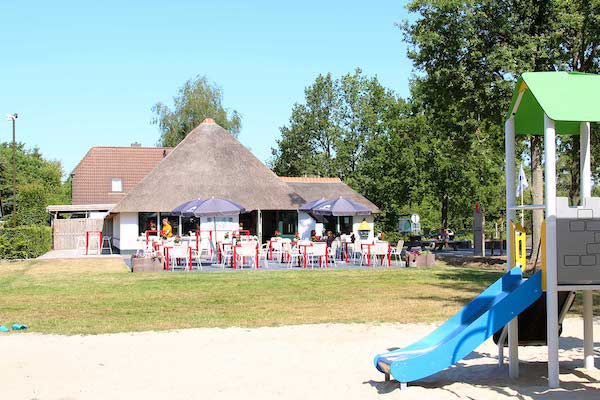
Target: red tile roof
<point>92,177</point>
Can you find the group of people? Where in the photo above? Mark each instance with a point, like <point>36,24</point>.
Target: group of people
<point>444,238</point>
<point>329,238</point>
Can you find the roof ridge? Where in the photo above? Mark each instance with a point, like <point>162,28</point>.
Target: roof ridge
<point>308,179</point>
<point>131,147</point>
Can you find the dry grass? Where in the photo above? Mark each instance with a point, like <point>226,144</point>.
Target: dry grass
<point>100,295</point>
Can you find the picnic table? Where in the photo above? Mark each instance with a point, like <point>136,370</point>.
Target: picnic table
<point>435,244</point>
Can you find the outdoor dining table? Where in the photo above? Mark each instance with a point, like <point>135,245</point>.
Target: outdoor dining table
<point>368,245</point>
<point>234,261</point>
<point>304,245</point>
<point>166,255</point>
<point>345,250</point>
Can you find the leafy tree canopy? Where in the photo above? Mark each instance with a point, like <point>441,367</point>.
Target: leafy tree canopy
<point>195,101</point>
<point>36,176</point>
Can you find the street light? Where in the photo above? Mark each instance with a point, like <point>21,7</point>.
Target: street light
<point>13,118</point>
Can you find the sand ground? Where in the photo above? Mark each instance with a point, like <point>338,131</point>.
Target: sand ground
<point>328,361</point>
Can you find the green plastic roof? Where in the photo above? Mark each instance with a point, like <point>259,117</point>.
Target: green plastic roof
<point>566,97</point>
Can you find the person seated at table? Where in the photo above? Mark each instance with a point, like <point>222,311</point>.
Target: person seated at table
<point>151,226</point>
<point>330,238</point>
<point>167,229</point>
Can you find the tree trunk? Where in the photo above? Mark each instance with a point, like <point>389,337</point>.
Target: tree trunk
<point>537,188</point>
<point>445,211</point>
<point>574,187</point>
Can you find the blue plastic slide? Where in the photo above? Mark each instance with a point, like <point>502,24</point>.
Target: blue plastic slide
<point>464,332</point>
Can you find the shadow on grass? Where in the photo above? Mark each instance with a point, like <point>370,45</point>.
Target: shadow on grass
<point>455,278</point>
<point>471,261</point>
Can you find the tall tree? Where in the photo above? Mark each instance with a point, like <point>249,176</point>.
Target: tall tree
<point>195,101</point>
<point>461,94</point>
<point>355,129</point>
<point>35,175</point>
<point>326,135</point>
<point>480,47</point>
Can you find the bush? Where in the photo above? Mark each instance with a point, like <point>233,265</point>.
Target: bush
<point>393,237</point>
<point>25,242</point>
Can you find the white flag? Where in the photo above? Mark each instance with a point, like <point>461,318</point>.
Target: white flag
<point>523,184</point>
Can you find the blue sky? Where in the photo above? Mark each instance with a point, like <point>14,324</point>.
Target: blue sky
<point>84,74</point>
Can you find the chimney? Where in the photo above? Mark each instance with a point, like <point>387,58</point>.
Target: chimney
<point>208,121</point>
<point>136,144</point>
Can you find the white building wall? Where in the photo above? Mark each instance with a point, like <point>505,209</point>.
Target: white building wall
<point>305,224</point>
<point>128,231</point>
<point>356,222</point>
<point>116,233</point>
<point>219,226</point>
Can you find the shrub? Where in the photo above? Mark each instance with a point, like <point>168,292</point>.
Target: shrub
<point>393,237</point>
<point>25,242</point>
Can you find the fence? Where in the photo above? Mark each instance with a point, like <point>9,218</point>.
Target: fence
<point>67,231</point>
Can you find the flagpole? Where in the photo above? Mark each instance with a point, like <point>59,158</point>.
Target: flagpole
<point>522,211</point>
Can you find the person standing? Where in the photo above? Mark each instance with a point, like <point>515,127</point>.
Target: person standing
<point>330,238</point>
<point>167,229</point>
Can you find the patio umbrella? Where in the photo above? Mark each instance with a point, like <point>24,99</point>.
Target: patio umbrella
<point>214,206</point>
<point>340,207</point>
<point>184,209</point>
<point>311,204</point>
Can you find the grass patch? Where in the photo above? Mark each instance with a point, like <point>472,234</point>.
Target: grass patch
<point>100,296</point>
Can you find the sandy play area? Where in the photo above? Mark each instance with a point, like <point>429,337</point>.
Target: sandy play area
<point>292,362</point>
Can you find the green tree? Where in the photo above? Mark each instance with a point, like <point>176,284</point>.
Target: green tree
<point>461,96</point>
<point>32,200</point>
<point>327,135</point>
<point>196,100</point>
<point>32,169</point>
<point>478,49</point>
<point>347,128</point>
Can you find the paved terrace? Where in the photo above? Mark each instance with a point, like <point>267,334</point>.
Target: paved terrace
<point>207,266</point>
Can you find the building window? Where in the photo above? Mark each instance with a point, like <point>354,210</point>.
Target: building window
<point>173,221</point>
<point>190,224</point>
<point>147,222</point>
<point>117,185</point>
<point>346,225</point>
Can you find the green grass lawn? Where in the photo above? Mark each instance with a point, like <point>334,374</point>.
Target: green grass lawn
<point>100,295</point>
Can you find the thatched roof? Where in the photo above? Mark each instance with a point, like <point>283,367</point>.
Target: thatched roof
<point>210,162</point>
<point>328,188</point>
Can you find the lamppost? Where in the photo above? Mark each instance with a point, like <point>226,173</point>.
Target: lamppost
<point>13,118</point>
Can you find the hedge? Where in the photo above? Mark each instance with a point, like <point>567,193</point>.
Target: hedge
<point>25,242</point>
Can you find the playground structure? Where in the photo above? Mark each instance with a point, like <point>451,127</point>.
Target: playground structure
<point>547,103</point>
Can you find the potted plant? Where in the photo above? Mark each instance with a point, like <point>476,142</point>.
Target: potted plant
<point>277,233</point>
<point>417,258</point>
<point>177,239</point>
<point>150,263</point>
<point>296,236</point>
